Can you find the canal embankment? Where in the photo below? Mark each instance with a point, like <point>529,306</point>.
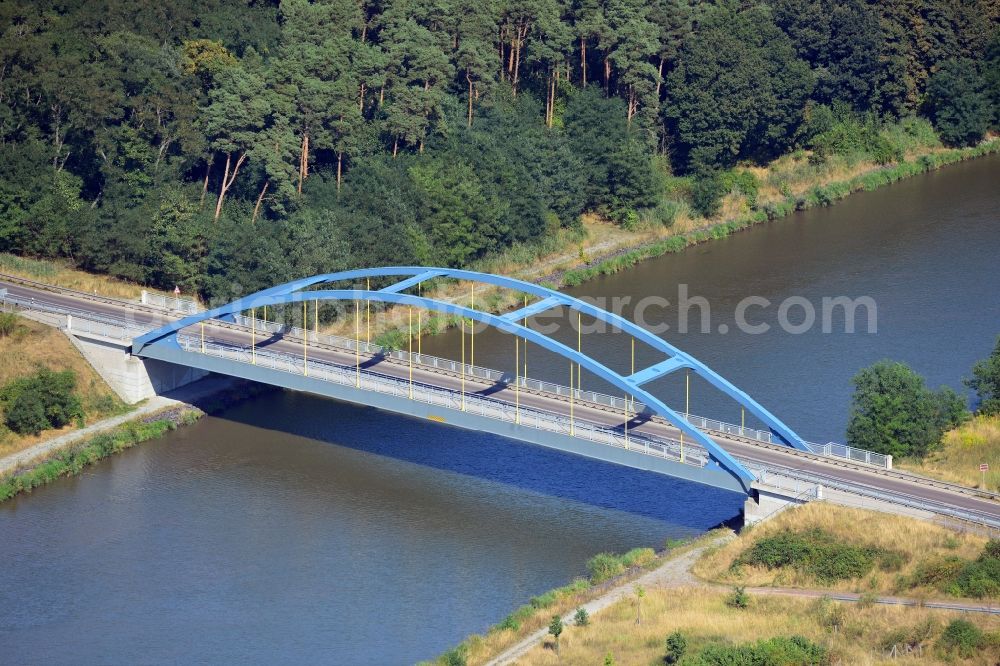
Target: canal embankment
<point>70,453</point>
<point>814,571</point>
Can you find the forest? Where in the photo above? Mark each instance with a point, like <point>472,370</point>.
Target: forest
<point>227,145</point>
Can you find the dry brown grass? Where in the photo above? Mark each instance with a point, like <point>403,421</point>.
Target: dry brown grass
<point>703,617</point>
<point>965,447</point>
<point>35,345</point>
<point>918,540</point>
<point>62,275</point>
<point>482,648</point>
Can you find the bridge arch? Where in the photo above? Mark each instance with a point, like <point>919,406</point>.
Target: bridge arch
<point>675,359</point>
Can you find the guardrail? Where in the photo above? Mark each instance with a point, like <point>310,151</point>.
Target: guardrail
<point>476,404</point>
<point>184,305</point>
<point>771,471</point>
<point>490,375</point>
<point>615,403</point>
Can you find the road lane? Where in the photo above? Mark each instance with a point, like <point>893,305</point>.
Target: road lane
<point>858,474</point>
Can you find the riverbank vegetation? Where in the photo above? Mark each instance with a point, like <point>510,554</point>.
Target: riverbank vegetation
<point>893,412</point>
<point>961,453</point>
<point>697,627</point>
<point>605,571</point>
<point>46,386</point>
<point>73,461</point>
<point>225,148</point>
<point>821,546</point>
<point>76,458</point>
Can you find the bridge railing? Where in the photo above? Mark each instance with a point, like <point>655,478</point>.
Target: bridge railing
<point>177,304</point>
<point>476,404</point>
<point>616,403</point>
<point>76,320</point>
<point>88,322</point>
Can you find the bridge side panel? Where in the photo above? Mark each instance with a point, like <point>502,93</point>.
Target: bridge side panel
<point>717,478</point>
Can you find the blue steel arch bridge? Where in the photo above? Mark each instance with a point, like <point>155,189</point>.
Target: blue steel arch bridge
<point>559,423</point>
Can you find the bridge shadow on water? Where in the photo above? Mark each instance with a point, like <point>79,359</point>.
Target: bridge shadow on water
<point>692,506</point>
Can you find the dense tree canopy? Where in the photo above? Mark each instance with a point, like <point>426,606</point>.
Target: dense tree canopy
<point>223,144</point>
<point>894,412</point>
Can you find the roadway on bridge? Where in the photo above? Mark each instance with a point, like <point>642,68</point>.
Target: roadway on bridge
<point>854,474</point>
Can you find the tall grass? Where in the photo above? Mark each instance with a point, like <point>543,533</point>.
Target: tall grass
<point>963,450</point>
<point>715,633</point>
<point>900,546</point>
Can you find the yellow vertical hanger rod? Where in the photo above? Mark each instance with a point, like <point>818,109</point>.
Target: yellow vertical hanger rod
<point>463,364</point>
<point>409,347</point>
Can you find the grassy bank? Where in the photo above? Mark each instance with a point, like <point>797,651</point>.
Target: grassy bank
<point>606,571</point>
<point>821,546</point>
<point>816,191</point>
<point>794,182</point>
<point>61,274</point>
<point>817,547</point>
<point>770,630</point>
<point>73,461</point>
<point>32,345</point>
<point>962,451</point>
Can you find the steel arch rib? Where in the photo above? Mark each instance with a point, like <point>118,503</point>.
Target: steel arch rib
<point>291,292</point>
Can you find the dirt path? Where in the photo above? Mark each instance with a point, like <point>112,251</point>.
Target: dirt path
<point>673,573</point>
<point>676,573</point>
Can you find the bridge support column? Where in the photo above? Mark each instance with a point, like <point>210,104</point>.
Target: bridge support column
<point>132,378</point>
<point>767,501</point>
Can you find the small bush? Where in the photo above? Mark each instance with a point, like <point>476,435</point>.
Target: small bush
<point>817,553</point>
<point>676,647</point>
<point>42,401</point>
<point>961,637</point>
<point>981,578</point>
<point>8,324</point>
<point>778,651</point>
<point>604,566</point>
<point>582,618</point>
<point>707,193</point>
<point>738,598</point>
<point>457,656</point>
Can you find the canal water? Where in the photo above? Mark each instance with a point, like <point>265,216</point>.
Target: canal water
<point>297,529</point>
<point>925,251</point>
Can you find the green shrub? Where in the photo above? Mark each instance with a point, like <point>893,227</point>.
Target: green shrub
<point>604,566</point>
<point>8,324</point>
<point>676,647</point>
<point>819,554</point>
<point>743,182</point>
<point>961,637</point>
<point>457,656</point>
<point>738,598</point>
<point>778,651</point>
<point>980,579</point>
<point>707,193</point>
<point>582,617</point>
<point>638,557</point>
<point>42,401</point>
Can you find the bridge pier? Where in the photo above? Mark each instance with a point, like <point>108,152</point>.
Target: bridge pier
<point>766,501</point>
<point>132,378</point>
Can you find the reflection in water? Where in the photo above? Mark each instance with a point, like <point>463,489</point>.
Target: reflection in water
<point>298,529</point>
<point>924,249</point>
<point>302,529</point>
